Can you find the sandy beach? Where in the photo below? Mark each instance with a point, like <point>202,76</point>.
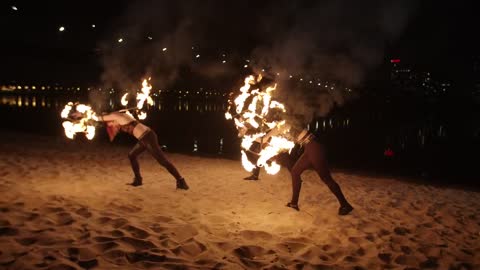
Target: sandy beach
<point>65,205</point>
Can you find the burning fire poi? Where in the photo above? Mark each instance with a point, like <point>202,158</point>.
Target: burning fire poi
<point>79,118</point>
<point>142,97</point>
<point>252,122</point>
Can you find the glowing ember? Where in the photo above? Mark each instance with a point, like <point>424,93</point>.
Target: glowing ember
<point>79,118</point>
<point>256,122</point>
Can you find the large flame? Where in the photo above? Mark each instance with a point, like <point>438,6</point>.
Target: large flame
<point>251,120</point>
<point>83,121</point>
<point>142,97</point>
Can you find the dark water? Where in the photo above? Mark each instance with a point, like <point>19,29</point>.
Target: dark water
<point>426,140</point>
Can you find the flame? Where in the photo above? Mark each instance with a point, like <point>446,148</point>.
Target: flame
<point>142,97</point>
<point>124,100</point>
<point>251,120</point>
<point>84,124</point>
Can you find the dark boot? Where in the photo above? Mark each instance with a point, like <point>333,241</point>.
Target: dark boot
<point>255,174</point>
<point>293,205</point>
<point>181,184</point>
<point>345,209</point>
<point>137,181</point>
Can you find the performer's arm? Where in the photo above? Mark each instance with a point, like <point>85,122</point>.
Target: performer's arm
<point>107,117</point>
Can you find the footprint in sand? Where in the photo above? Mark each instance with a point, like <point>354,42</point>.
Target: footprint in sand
<point>30,216</point>
<point>181,233</point>
<point>83,212</point>
<point>118,222</point>
<point>103,220</point>
<point>103,239</point>
<point>116,256</point>
<point>8,231</point>
<point>158,228</point>
<point>136,232</point>
<point>190,248</point>
<point>401,231</point>
<point>254,256</point>
<point>137,244</point>
<point>128,208</point>
<point>4,223</point>
<point>162,219</point>
<point>134,257</point>
<point>105,246</point>
<point>6,259</point>
<point>54,209</point>
<point>117,233</point>
<point>64,218</point>
<point>27,241</point>
<point>253,235</point>
<point>291,247</point>
<point>166,242</point>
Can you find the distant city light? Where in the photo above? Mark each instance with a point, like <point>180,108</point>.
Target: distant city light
<point>164,49</point>
<point>245,66</point>
<point>61,29</point>
<point>150,38</point>
<point>120,40</point>
<point>14,8</point>
<point>224,61</point>
<point>93,25</point>
<point>197,56</point>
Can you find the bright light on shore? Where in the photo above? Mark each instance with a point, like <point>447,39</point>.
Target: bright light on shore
<point>61,29</point>
<point>14,8</point>
<point>120,40</point>
<point>164,49</point>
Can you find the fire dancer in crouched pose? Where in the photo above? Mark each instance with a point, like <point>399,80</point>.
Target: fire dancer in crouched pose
<point>147,140</point>
<point>314,156</point>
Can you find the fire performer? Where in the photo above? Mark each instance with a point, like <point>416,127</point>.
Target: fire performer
<point>314,156</point>
<point>147,140</point>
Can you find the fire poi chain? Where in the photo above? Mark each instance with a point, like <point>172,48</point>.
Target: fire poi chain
<point>253,123</point>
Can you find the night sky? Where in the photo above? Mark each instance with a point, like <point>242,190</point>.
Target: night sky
<point>428,35</point>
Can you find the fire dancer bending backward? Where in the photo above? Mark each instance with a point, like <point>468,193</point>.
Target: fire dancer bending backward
<point>314,156</point>
<point>147,140</point>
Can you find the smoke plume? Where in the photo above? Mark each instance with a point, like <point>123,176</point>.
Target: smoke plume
<point>336,41</point>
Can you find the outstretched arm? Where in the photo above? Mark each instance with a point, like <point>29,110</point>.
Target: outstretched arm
<point>107,117</point>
